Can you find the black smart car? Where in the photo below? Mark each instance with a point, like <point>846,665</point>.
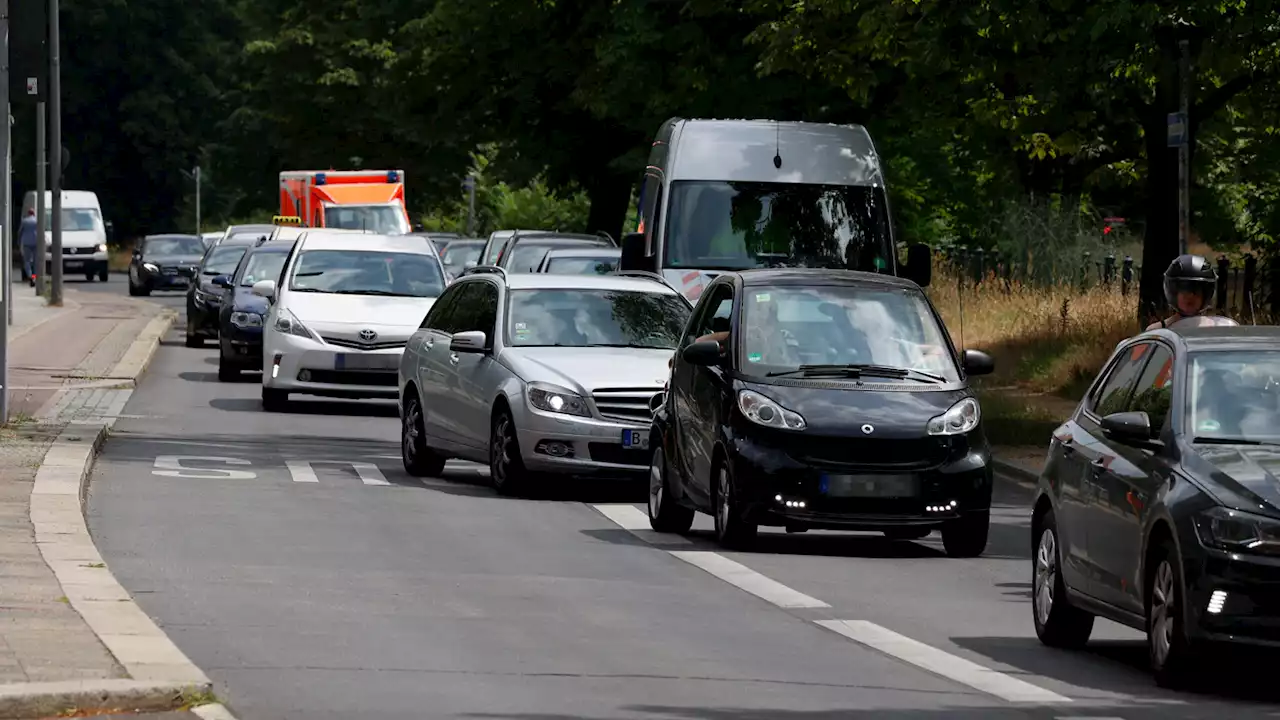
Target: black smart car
<point>823,399</point>
<point>204,298</point>
<point>164,262</point>
<point>1159,505</point>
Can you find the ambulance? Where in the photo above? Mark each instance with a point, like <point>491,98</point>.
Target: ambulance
<point>370,200</point>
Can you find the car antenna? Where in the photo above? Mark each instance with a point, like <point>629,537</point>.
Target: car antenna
<point>777,145</point>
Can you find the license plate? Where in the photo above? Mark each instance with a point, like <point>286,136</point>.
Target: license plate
<point>366,361</point>
<point>869,486</point>
<point>73,264</point>
<point>635,439</point>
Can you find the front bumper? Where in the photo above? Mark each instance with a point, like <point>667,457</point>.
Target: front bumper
<point>778,490</point>
<point>77,264</point>
<point>203,313</point>
<point>1233,598</point>
<point>164,281</point>
<point>301,365</point>
<point>241,346</point>
<point>594,447</point>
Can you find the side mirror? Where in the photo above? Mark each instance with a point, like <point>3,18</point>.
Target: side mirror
<point>221,281</point>
<point>471,341</point>
<point>111,230</point>
<point>265,288</point>
<point>633,257</point>
<point>1128,427</point>
<point>705,353</point>
<point>657,401</point>
<point>977,362</point>
<point>469,264</point>
<point>919,267</point>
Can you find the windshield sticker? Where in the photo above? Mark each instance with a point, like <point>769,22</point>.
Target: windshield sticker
<point>521,326</point>
<point>762,297</point>
<point>880,263</point>
<point>755,357</point>
<point>1209,426</point>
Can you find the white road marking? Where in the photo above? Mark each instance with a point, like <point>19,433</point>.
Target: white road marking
<point>302,471</point>
<point>744,578</point>
<point>171,466</point>
<point>635,521</point>
<point>942,663</point>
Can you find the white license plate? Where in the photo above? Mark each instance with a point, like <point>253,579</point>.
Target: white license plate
<point>635,439</point>
<point>73,264</point>
<point>365,361</point>
<point>870,486</point>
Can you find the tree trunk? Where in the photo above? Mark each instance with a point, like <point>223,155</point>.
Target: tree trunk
<point>1160,244</point>
<point>609,195</point>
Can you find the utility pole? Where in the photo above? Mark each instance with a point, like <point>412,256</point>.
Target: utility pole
<point>1184,150</point>
<point>41,246</point>
<point>55,149</point>
<point>196,172</point>
<point>6,265</point>
<point>470,185</point>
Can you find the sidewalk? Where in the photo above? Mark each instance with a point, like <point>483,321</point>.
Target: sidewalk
<point>63,620</point>
<point>1020,463</point>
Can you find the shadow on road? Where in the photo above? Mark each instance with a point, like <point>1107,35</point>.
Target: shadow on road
<point>364,408</point>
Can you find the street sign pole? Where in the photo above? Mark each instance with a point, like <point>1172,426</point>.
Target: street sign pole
<point>1184,150</point>
<point>6,217</point>
<point>55,150</point>
<point>197,174</point>
<point>42,247</point>
<point>470,185</point>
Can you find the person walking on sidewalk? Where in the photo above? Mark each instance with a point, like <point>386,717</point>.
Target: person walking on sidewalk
<point>27,234</point>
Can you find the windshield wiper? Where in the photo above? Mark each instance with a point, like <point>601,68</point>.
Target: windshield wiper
<point>387,293</point>
<point>624,345</point>
<point>1226,441</point>
<point>311,273</point>
<point>857,370</point>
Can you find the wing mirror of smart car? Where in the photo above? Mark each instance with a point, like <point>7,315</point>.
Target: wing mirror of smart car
<point>705,352</point>
<point>472,341</point>
<point>265,288</point>
<point>221,281</point>
<point>977,362</point>
<point>1128,427</point>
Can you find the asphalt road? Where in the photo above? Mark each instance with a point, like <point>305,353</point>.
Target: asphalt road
<point>312,578</point>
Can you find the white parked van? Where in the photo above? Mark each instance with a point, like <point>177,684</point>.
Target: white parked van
<point>84,233</point>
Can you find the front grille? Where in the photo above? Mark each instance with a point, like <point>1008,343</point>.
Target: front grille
<point>169,270</point>
<point>613,453</point>
<point>354,377</point>
<point>626,404</point>
<point>885,452</point>
<point>78,250</point>
<point>356,345</point>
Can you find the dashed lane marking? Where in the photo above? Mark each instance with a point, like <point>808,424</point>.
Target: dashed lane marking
<point>744,578</point>
<point>942,663</point>
<point>633,520</point>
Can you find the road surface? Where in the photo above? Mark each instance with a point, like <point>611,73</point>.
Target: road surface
<point>310,577</point>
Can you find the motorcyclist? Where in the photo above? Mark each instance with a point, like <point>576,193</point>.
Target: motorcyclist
<point>1189,286</point>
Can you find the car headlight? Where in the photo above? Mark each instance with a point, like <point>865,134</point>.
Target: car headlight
<point>1236,531</point>
<point>150,267</point>
<point>762,411</point>
<point>246,319</point>
<point>958,419</point>
<point>550,398</point>
<point>207,297</point>
<point>288,323</point>
<point>100,247</point>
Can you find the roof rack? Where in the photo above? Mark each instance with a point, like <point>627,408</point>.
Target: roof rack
<point>485,270</point>
<point>648,275</point>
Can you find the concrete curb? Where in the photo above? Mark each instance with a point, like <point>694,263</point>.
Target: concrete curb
<point>213,711</point>
<point>161,676</point>
<point>138,356</point>
<point>55,699</point>
<point>1013,472</point>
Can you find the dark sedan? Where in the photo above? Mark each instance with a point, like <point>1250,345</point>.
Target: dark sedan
<point>821,399</point>
<point>164,262</point>
<point>1159,505</point>
<point>204,298</point>
<point>460,255</point>
<point>240,318</point>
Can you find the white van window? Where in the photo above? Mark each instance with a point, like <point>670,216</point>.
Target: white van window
<point>76,219</point>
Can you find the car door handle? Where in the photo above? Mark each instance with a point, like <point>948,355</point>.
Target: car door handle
<point>453,359</point>
<point>1099,465</point>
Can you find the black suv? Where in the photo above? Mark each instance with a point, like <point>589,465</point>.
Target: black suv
<point>823,399</point>
<point>164,262</point>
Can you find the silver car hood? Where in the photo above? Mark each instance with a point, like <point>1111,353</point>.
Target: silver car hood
<point>585,370</point>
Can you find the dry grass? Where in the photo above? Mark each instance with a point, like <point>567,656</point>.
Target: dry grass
<point>119,257</point>
<point>1048,344</point>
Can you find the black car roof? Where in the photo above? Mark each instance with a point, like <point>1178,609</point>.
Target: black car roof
<point>237,229</point>
<point>820,276</point>
<point>172,235</point>
<point>241,239</point>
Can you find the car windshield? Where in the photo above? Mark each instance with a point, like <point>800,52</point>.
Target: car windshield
<point>223,260</point>
<point>594,318</point>
<point>175,245</point>
<point>528,255</point>
<point>1234,396</point>
<point>741,225</point>
<point>457,256</point>
<point>600,265</point>
<point>789,328</point>
<point>367,272</point>
<point>378,219</point>
<point>75,219</point>
<point>262,266</point>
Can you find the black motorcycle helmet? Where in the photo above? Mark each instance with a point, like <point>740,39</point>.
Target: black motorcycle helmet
<point>1193,274</point>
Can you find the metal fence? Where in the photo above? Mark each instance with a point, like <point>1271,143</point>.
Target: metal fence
<point>1248,288</point>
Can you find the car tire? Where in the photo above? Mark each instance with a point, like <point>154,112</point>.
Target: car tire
<point>908,533</point>
<point>88,277</point>
<point>193,340</point>
<point>665,514</point>
<point>226,371</point>
<point>418,459</point>
<point>732,530</point>
<point>1058,623</point>
<point>1171,651</point>
<point>506,466</point>
<point>966,536</point>
<point>133,289</point>
<point>104,274</point>
<point>274,400</point>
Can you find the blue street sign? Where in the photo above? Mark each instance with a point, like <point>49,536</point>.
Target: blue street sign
<point>469,183</point>
<point>1179,129</point>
